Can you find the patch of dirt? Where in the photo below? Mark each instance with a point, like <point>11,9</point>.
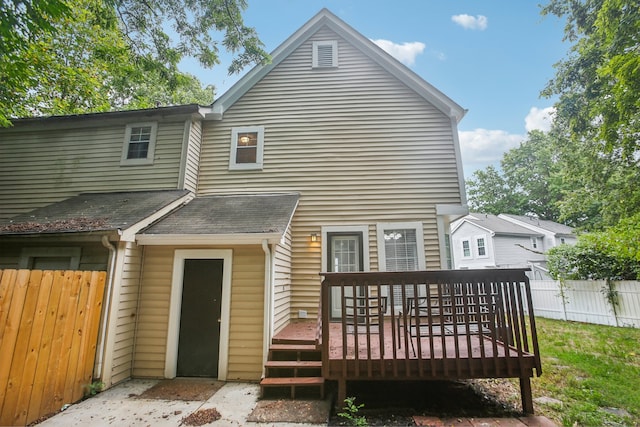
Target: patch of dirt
<point>395,403</point>
<point>183,389</point>
<point>202,417</point>
<point>291,411</point>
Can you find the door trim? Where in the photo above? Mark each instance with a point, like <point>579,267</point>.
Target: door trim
<point>175,306</point>
<point>364,229</point>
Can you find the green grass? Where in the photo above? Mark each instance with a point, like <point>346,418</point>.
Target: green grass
<point>590,369</point>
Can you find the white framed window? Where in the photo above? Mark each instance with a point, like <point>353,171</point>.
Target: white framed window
<point>247,146</point>
<point>325,54</point>
<point>534,242</point>
<point>139,144</point>
<point>400,246</point>
<point>466,248</point>
<point>481,247</point>
<point>51,258</point>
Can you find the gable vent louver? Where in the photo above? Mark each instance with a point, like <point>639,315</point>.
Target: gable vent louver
<point>325,54</point>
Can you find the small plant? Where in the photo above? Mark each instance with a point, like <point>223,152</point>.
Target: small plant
<point>94,388</point>
<point>350,413</point>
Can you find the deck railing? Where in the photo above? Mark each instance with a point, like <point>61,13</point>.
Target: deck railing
<point>428,325</point>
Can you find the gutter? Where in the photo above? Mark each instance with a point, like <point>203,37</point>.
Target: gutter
<point>97,373</point>
<point>268,303</point>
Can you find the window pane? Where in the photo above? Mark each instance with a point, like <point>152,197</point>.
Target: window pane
<point>139,142</point>
<point>481,248</point>
<point>401,250</point>
<point>247,147</point>
<point>466,248</point>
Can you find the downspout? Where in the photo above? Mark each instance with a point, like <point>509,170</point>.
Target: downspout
<point>268,303</point>
<point>97,373</point>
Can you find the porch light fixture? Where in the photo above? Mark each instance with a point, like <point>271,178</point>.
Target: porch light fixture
<point>314,237</point>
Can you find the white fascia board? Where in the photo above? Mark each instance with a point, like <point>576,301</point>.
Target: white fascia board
<point>207,239</point>
<point>129,234</point>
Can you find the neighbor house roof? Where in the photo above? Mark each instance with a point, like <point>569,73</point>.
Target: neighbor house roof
<point>237,218</point>
<point>493,223</point>
<point>92,212</point>
<point>366,46</point>
<point>554,227</point>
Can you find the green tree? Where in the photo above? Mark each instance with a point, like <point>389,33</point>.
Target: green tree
<point>529,183</point>
<point>99,55</point>
<point>599,82</point>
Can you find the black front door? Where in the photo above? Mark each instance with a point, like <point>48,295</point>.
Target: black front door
<point>199,340</point>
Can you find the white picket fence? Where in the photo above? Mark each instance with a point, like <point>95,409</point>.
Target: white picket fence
<point>587,301</point>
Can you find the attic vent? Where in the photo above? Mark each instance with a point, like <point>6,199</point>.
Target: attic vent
<point>325,54</point>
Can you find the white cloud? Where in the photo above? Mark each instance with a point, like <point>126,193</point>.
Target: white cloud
<point>483,147</point>
<point>478,22</point>
<point>405,52</point>
<point>539,119</point>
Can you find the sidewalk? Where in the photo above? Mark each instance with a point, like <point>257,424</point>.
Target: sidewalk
<point>119,406</point>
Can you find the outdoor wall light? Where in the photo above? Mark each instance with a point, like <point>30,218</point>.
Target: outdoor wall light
<point>314,237</point>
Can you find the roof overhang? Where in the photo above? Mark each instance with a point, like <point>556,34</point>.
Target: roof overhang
<point>208,239</point>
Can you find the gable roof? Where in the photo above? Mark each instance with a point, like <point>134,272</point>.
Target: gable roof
<point>497,225</point>
<point>551,226</point>
<point>94,212</point>
<point>238,218</point>
<point>386,61</point>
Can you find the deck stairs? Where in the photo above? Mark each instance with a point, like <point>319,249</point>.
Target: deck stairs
<point>293,364</point>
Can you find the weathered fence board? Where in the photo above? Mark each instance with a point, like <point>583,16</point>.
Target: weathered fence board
<point>588,301</point>
<point>48,332</point>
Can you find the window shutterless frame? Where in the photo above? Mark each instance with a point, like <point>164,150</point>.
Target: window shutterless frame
<point>139,144</point>
<point>247,147</point>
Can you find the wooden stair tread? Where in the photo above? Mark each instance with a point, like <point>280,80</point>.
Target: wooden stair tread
<point>294,364</point>
<point>292,381</point>
<point>293,347</point>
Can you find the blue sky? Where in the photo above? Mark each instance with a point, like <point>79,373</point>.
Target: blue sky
<point>493,57</point>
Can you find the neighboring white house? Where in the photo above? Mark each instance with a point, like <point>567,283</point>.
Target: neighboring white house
<point>506,241</point>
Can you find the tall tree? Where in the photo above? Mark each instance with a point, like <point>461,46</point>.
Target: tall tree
<point>98,55</point>
<point>599,81</point>
<point>529,182</point>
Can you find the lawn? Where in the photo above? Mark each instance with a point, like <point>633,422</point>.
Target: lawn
<point>592,370</point>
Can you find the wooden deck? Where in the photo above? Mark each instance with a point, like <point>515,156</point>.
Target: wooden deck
<point>430,325</point>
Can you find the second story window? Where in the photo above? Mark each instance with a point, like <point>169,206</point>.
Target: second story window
<point>466,249</point>
<point>482,249</point>
<point>139,144</point>
<point>247,144</point>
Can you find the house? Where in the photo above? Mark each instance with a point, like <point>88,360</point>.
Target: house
<point>332,158</point>
<point>507,241</point>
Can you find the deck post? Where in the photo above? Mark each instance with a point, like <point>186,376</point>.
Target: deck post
<point>527,396</point>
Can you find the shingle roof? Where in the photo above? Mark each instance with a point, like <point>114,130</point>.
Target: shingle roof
<point>498,225</point>
<point>552,226</point>
<point>232,214</point>
<point>92,212</point>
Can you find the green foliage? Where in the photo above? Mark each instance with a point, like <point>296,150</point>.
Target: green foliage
<point>99,55</point>
<point>350,413</point>
<point>93,388</point>
<point>529,183</point>
<point>599,81</point>
<point>613,254</point>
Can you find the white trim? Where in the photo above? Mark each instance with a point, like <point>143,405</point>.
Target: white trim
<point>477,247</point>
<point>364,229</point>
<point>334,54</point>
<point>129,234</point>
<point>209,239</point>
<point>151,149</point>
<point>259,130</point>
<point>27,255</point>
<point>186,134</point>
<point>416,225</point>
<point>175,306</point>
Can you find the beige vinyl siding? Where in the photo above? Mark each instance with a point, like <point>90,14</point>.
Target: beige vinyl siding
<point>246,312</point>
<point>38,168</point>
<point>127,310</point>
<point>190,180</point>
<point>282,284</point>
<point>358,144</point>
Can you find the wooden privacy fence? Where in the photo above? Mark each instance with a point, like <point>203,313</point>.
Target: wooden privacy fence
<point>48,334</point>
